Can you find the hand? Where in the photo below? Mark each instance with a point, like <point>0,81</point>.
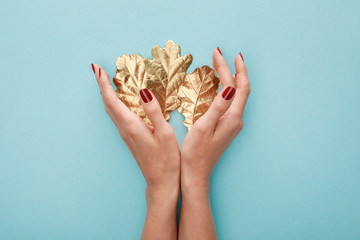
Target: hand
<point>214,131</point>
<point>205,143</point>
<point>155,150</point>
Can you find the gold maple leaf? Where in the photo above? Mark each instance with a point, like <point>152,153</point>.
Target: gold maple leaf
<point>197,93</point>
<point>130,78</point>
<point>167,72</point>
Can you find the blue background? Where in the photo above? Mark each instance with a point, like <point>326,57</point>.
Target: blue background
<point>293,173</point>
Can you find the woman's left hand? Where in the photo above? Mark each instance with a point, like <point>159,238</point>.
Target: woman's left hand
<point>205,143</point>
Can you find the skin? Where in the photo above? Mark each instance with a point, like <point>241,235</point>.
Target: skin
<point>204,145</point>
<point>156,151</point>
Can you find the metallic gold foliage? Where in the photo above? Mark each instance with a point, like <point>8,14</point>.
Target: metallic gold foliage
<point>166,73</point>
<point>130,78</point>
<point>197,93</point>
<point>165,76</point>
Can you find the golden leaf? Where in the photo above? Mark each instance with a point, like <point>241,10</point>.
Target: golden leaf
<point>130,78</point>
<point>167,72</point>
<point>197,93</point>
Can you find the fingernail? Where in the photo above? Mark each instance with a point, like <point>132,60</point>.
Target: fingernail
<point>228,93</point>
<point>241,56</point>
<point>219,50</point>
<point>235,75</point>
<point>99,72</point>
<point>92,65</point>
<point>145,95</point>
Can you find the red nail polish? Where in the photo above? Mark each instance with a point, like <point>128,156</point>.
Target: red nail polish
<point>219,50</point>
<point>241,56</point>
<point>145,95</point>
<point>92,65</point>
<point>228,93</point>
<point>99,72</point>
<point>235,75</point>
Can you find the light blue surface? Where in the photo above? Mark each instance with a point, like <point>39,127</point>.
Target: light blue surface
<point>293,173</point>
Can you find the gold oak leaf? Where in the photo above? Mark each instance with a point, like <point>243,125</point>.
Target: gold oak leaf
<point>197,93</point>
<point>130,78</point>
<point>167,72</point>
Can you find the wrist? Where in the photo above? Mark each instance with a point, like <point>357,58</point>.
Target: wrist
<point>160,221</point>
<point>195,194</point>
<point>192,180</point>
<point>162,194</point>
<point>191,185</point>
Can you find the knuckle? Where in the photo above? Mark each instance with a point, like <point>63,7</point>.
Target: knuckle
<point>221,67</point>
<point>128,122</point>
<point>237,125</point>
<point>247,88</point>
<point>103,81</point>
<point>167,132</point>
<point>240,125</point>
<point>151,110</point>
<point>220,108</point>
<point>107,110</point>
<point>131,130</point>
<point>202,129</point>
<point>109,101</point>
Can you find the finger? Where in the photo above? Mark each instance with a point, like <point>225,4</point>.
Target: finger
<point>218,107</point>
<point>242,87</point>
<point>96,70</point>
<point>152,109</point>
<point>222,68</point>
<point>103,80</point>
<point>242,79</point>
<point>117,110</point>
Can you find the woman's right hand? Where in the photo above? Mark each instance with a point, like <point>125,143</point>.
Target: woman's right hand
<point>155,150</point>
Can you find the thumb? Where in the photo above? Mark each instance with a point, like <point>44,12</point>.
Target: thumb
<point>152,108</point>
